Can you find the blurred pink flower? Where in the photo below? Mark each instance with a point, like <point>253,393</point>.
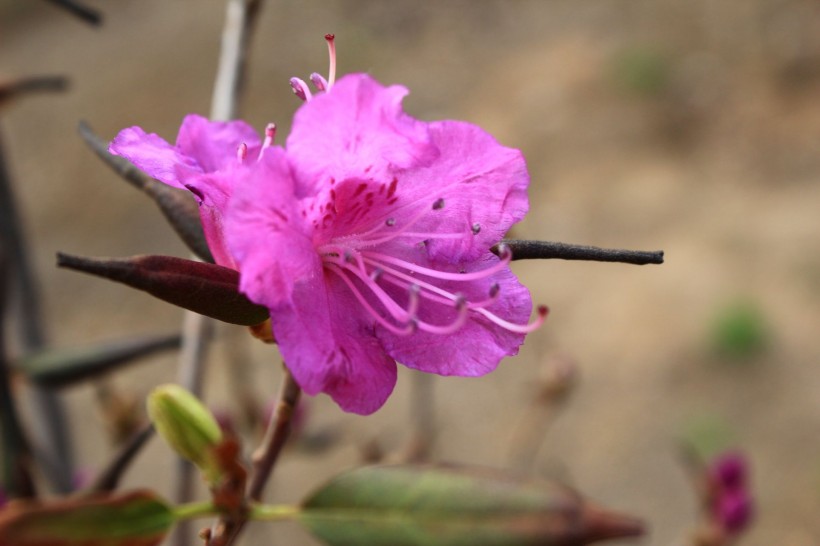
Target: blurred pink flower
<point>367,236</point>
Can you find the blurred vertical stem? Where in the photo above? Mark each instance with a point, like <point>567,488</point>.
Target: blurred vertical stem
<point>240,21</point>
<point>15,449</point>
<point>55,452</point>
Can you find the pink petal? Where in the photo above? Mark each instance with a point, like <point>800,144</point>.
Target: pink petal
<point>483,184</point>
<point>213,144</point>
<point>153,155</point>
<point>266,234</point>
<point>478,346</point>
<point>359,130</point>
<point>329,348</point>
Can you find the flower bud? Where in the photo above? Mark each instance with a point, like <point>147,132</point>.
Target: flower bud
<point>188,427</point>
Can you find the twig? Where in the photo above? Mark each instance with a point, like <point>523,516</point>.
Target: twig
<point>264,458</point>
<point>87,14</point>
<point>240,21</point>
<point>109,478</point>
<point>545,250</point>
<point>422,416</point>
<point>16,453</point>
<point>31,84</point>
<point>51,416</point>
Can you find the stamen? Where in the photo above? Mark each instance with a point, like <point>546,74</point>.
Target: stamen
<point>242,152</point>
<point>438,204</point>
<point>543,310</point>
<point>409,328</point>
<point>301,89</point>
<point>495,290</point>
<point>413,304</point>
<point>331,51</point>
<point>375,259</point>
<point>476,228</point>
<point>390,222</point>
<point>319,82</point>
<point>460,320</point>
<point>270,134</point>
<point>376,274</point>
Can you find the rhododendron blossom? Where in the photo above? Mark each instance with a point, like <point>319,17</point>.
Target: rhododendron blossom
<point>368,235</point>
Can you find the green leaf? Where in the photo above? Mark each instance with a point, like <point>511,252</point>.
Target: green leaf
<point>63,367</point>
<point>138,518</point>
<point>450,506</point>
<point>207,289</point>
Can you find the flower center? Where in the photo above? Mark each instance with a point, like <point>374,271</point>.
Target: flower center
<point>379,280</point>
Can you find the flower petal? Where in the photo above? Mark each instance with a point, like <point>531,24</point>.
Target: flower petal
<point>266,234</point>
<point>483,185</point>
<point>213,144</point>
<point>153,155</point>
<point>329,346</point>
<point>357,129</point>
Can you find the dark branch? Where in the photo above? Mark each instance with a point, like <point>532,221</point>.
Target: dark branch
<point>110,477</point>
<point>32,84</point>
<point>89,15</point>
<point>546,250</point>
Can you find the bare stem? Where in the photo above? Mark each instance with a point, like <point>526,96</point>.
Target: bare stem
<point>545,250</point>
<point>56,453</point>
<point>90,16</point>
<point>278,431</point>
<point>240,21</point>
<point>15,448</point>
<point>110,477</point>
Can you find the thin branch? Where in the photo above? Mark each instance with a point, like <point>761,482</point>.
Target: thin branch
<point>31,84</point>
<point>278,431</point>
<point>52,421</point>
<point>545,250</point>
<point>109,478</point>
<point>15,448</point>
<point>240,21</point>
<point>89,15</point>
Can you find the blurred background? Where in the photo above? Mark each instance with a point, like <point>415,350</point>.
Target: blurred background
<point>687,126</point>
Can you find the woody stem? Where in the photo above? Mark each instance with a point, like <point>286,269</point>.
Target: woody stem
<point>265,457</point>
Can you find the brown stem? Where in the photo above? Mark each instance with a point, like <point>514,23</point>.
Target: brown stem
<point>90,16</point>
<point>226,530</point>
<point>545,250</point>
<point>264,458</point>
<point>109,478</point>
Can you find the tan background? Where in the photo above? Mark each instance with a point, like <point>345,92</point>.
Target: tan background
<point>718,166</point>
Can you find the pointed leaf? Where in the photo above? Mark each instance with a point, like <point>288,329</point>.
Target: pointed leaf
<point>449,506</point>
<point>63,367</point>
<point>133,519</point>
<point>208,289</point>
<point>177,205</point>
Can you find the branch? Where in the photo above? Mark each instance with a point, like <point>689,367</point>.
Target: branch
<point>546,250</point>
<point>264,458</point>
<point>89,15</point>
<point>56,455</point>
<point>32,84</point>
<point>110,477</point>
<point>15,448</point>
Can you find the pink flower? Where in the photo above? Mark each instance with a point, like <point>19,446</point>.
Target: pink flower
<point>367,236</point>
<point>203,161</point>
